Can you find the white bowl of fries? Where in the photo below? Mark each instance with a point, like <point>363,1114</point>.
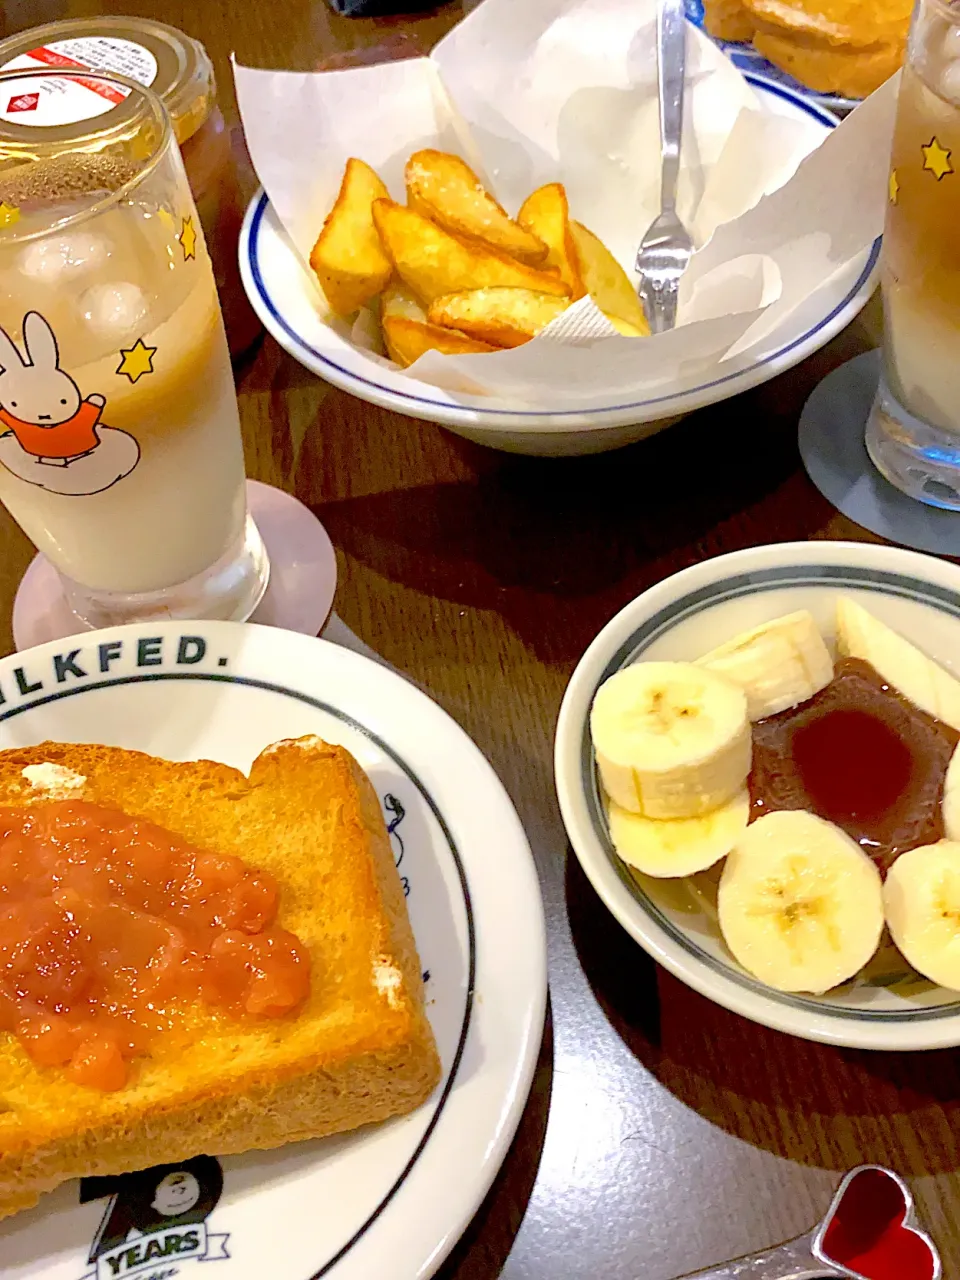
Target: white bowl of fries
<point>453,237</point>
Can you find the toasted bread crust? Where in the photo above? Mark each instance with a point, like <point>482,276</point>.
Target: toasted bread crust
<point>361,1049</point>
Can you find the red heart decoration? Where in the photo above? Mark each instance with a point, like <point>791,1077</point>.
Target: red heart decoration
<point>868,1231</point>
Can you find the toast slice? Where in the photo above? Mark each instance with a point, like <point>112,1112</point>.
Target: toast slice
<point>360,1048</point>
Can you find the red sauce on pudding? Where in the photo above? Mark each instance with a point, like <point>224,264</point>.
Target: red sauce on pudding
<point>110,925</point>
<point>861,756</point>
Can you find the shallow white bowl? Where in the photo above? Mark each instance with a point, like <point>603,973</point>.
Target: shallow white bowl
<point>886,1007</point>
<point>285,297</point>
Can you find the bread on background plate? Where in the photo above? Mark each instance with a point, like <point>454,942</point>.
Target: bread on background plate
<point>358,1050</point>
<point>728,19</point>
<point>847,24</point>
<point>846,47</point>
<point>827,68</point>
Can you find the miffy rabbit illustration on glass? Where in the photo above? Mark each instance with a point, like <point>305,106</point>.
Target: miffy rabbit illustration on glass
<point>54,437</point>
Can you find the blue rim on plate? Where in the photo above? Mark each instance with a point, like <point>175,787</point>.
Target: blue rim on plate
<point>664,620</point>
<point>265,302</point>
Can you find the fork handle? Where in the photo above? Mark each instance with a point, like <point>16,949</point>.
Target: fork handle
<point>671,66</point>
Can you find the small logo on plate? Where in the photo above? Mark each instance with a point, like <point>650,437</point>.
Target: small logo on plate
<point>155,1222</point>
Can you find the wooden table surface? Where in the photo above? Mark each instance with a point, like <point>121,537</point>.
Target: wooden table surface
<point>662,1134</point>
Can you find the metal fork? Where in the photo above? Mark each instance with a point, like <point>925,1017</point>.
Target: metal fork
<point>666,248</point>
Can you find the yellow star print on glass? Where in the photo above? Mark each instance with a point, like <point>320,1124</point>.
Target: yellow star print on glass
<point>937,159</point>
<point>136,360</point>
<point>188,239</point>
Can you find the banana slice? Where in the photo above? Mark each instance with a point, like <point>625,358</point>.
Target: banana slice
<point>675,847</point>
<point>800,904</point>
<point>672,740</point>
<point>950,807</point>
<point>918,678</point>
<point>921,898</point>
<point>778,664</point>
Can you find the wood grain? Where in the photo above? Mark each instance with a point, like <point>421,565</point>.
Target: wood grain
<point>662,1134</point>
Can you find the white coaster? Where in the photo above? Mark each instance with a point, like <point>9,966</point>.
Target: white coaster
<point>303,576</point>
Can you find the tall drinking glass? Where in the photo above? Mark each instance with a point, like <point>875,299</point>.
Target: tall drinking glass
<point>913,434</point>
<point>120,446</point>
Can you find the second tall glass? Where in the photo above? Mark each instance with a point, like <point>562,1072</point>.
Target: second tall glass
<point>913,435</point>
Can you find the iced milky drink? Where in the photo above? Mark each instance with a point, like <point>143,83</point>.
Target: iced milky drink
<point>120,446</point>
<point>116,282</point>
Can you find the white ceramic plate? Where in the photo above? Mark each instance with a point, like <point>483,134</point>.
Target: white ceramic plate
<point>886,1007</point>
<point>391,1200</point>
<point>285,297</point>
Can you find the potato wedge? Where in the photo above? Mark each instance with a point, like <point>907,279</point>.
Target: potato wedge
<point>407,340</point>
<point>445,189</point>
<point>397,300</point>
<point>348,258</point>
<point>433,262</point>
<point>606,281</point>
<point>546,214</point>
<point>505,317</point>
